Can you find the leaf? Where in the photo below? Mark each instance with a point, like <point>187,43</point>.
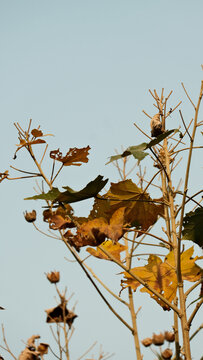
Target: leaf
<point>160,138</point>
<point>70,196</point>
<point>140,209</point>
<point>94,232</point>
<point>51,195</point>
<point>193,226</point>
<point>138,151</point>
<point>161,276</point>
<point>56,315</point>
<point>74,156</point>
<point>89,191</point>
<point>36,133</point>
<point>59,219</point>
<point>113,249</point>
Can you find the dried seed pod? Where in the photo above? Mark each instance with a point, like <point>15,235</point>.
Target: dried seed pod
<point>147,342</point>
<point>158,339</point>
<point>167,354</point>
<point>53,277</point>
<point>30,216</point>
<point>156,126</point>
<point>169,336</point>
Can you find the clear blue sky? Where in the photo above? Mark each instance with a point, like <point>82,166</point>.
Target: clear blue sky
<point>82,69</point>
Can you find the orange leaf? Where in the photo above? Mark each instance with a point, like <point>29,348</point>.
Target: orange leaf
<point>161,276</point>
<point>113,249</point>
<point>74,156</point>
<point>95,232</point>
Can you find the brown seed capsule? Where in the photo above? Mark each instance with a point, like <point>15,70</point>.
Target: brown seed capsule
<point>169,336</point>
<point>158,340</point>
<point>53,277</point>
<point>156,126</point>
<point>167,354</point>
<point>30,216</point>
<point>147,342</point>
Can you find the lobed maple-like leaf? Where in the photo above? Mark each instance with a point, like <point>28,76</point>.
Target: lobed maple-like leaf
<point>161,275</point>
<point>138,151</point>
<point>113,249</point>
<point>193,226</point>
<point>74,156</point>
<point>140,212</point>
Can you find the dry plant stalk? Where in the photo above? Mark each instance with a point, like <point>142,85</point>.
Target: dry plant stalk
<point>122,218</point>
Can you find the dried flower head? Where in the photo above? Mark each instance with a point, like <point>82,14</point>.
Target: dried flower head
<point>167,354</point>
<point>158,339</point>
<point>169,336</point>
<point>53,277</point>
<point>147,342</point>
<point>30,216</point>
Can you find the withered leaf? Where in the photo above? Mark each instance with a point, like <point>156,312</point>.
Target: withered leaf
<point>140,212</point>
<point>36,133</point>
<point>74,156</point>
<point>94,232</point>
<point>60,218</point>
<point>113,249</point>
<point>59,314</point>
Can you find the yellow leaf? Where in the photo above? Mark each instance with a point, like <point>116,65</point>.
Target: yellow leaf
<point>113,249</point>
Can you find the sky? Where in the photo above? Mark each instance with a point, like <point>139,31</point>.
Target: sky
<point>82,70</point>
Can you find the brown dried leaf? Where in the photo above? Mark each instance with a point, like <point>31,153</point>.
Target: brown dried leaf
<point>36,133</point>
<point>94,232</point>
<point>74,156</point>
<point>56,315</point>
<point>60,218</point>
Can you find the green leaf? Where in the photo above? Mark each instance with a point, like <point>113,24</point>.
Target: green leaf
<point>193,226</point>
<point>51,195</point>
<point>160,138</point>
<point>89,191</point>
<point>70,196</point>
<point>138,151</point>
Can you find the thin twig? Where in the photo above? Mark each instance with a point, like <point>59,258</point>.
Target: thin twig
<point>198,305</point>
<point>188,96</point>
<point>87,351</point>
<point>184,125</point>
<point>196,331</point>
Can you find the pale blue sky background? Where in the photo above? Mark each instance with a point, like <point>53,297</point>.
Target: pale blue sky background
<point>82,69</point>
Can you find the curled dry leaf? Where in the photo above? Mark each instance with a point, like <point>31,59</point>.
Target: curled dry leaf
<point>53,277</point>
<point>36,133</point>
<point>24,143</point>
<point>74,156</point>
<point>113,249</point>
<point>30,352</point>
<point>60,218</point>
<point>94,232</point>
<point>60,314</point>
